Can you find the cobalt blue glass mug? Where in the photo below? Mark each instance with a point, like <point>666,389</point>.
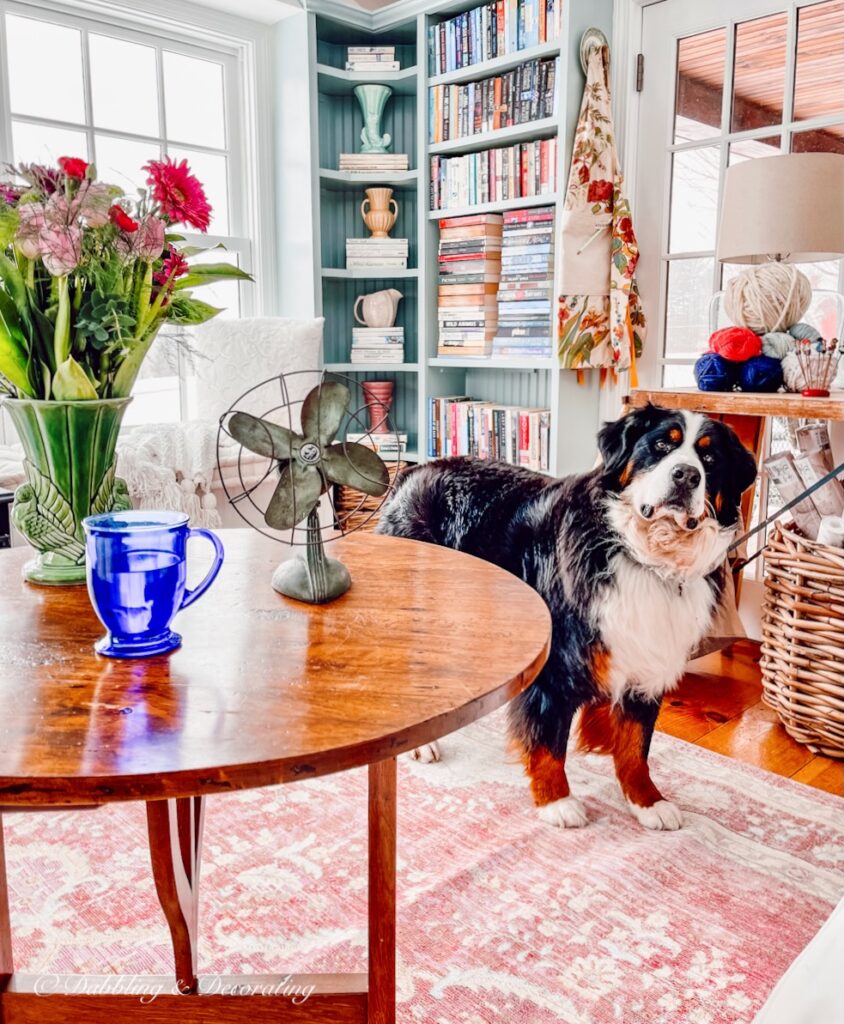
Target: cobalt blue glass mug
<point>137,572</point>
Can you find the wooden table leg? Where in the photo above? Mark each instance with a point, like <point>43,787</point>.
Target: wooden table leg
<point>6,962</point>
<point>175,843</point>
<point>382,892</point>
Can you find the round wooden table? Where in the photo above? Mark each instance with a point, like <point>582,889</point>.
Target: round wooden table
<point>264,690</point>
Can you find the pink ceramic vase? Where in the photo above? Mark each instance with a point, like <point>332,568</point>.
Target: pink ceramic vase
<point>379,398</point>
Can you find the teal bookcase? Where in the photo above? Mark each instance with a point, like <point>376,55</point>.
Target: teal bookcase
<point>335,126</point>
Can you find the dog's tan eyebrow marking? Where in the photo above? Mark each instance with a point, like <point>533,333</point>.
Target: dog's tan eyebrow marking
<point>704,442</point>
<point>675,434</point>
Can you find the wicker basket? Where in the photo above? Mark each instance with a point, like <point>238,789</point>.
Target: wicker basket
<point>358,511</point>
<point>803,639</point>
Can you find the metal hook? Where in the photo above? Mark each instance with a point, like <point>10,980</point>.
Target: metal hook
<point>592,39</point>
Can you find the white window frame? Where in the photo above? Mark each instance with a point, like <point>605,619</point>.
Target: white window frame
<point>654,361</point>
<point>245,50</point>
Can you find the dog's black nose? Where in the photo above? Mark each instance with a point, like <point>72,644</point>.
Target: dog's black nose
<point>685,475</point>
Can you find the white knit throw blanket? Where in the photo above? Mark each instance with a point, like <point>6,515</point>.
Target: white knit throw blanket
<point>165,466</point>
<point>170,466</point>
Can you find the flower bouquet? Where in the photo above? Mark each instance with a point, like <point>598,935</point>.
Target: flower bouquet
<point>87,279</point>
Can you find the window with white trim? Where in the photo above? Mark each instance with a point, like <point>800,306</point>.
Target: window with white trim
<point>119,96</point>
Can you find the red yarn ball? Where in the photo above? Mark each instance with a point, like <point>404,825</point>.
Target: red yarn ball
<point>735,343</point>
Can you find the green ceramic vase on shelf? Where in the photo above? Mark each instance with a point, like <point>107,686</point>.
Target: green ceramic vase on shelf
<point>373,99</point>
<point>69,450</point>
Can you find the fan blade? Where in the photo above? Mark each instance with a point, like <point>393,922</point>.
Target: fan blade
<point>261,436</point>
<point>356,466</point>
<point>299,488</point>
<point>322,411</point>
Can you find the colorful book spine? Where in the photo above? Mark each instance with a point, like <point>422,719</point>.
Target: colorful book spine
<point>525,94</point>
<point>461,426</point>
<point>492,30</point>
<point>491,175</point>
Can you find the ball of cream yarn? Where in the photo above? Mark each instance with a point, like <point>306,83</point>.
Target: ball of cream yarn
<point>768,297</point>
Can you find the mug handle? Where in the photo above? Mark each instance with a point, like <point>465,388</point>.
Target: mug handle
<point>358,301</point>
<point>197,592</point>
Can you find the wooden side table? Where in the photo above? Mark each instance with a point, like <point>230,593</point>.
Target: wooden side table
<point>265,690</point>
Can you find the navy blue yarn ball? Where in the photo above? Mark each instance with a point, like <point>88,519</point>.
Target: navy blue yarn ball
<point>761,373</point>
<point>715,373</point>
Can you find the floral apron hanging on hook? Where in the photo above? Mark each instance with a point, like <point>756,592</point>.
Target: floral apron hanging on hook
<point>600,318</point>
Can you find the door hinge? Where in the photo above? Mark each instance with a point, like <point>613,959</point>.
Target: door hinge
<point>640,71</point>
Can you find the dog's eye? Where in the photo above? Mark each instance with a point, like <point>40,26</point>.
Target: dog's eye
<point>662,446</point>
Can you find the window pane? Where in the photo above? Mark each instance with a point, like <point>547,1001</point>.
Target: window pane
<point>700,85</point>
<point>759,74</point>
<point>687,309</point>
<point>193,100</point>
<point>124,86</point>
<point>224,295</point>
<point>45,69</point>
<point>35,143</point>
<point>155,400</point>
<point>678,375</point>
<point>119,161</point>
<point>211,171</point>
<point>819,78</point>
<point>749,149</point>
<point>694,199</point>
<point>819,140</point>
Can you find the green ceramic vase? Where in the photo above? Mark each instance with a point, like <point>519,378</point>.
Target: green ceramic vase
<point>70,474</point>
<point>373,99</point>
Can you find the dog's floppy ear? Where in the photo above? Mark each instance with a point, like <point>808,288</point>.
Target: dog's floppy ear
<point>736,472</point>
<point>618,438</point>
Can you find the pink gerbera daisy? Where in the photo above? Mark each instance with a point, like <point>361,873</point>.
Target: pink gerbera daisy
<point>179,193</point>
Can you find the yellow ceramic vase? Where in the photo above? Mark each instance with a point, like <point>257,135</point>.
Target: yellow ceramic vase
<point>382,213</point>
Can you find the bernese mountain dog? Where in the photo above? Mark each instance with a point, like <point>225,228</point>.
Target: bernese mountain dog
<point>630,560</point>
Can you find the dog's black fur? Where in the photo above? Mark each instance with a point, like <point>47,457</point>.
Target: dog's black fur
<point>557,537</point>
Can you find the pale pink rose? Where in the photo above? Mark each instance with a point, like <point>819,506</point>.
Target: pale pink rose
<point>93,202</point>
<point>30,226</point>
<point>61,248</point>
<point>149,239</point>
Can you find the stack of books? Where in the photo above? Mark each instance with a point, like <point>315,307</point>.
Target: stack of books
<point>488,176</point>
<point>458,425</point>
<point>376,252</point>
<point>527,93</point>
<point>377,344</point>
<point>371,58</point>
<point>496,28</point>
<point>525,294</point>
<point>363,163</point>
<point>469,271</point>
<point>390,443</point>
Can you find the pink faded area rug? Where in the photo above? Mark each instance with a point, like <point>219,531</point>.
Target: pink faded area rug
<point>501,918</point>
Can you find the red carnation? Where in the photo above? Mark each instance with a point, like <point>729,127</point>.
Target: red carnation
<point>599,191</point>
<point>175,265</point>
<point>73,167</point>
<point>117,215</point>
<point>179,193</point>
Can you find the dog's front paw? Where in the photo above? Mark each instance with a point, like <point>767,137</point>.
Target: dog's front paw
<point>427,754</point>
<point>566,813</point>
<point>661,816</point>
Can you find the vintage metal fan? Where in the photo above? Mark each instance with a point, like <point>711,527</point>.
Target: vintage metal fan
<point>302,464</point>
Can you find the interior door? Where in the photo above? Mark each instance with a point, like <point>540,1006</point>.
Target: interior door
<point>724,80</point>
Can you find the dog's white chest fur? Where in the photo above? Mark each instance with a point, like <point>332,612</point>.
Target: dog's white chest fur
<point>649,626</point>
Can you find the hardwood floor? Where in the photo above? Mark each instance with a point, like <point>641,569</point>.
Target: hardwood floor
<point>719,706</point>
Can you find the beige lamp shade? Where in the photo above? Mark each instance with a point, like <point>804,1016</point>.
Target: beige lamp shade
<point>790,208</point>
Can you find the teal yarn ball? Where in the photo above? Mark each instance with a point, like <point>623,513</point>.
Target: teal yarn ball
<point>760,374</point>
<point>802,330</point>
<point>777,344</point>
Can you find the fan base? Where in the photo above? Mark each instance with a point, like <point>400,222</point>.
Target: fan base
<point>293,578</point>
